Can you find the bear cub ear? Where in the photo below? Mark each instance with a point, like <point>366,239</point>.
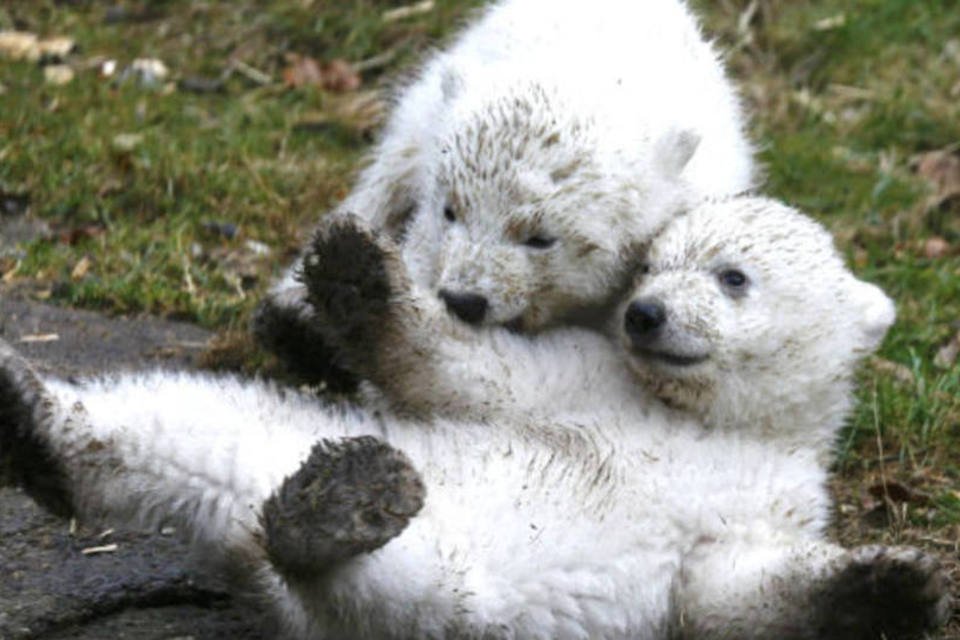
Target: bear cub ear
<point>876,312</point>
<point>674,150</point>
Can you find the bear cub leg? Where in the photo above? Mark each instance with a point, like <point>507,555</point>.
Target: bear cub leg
<point>27,457</point>
<point>353,278</point>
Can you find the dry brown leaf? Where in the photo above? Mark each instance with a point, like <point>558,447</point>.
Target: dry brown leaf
<point>900,373</point>
<point>81,268</point>
<point>947,354</point>
<point>936,247</point>
<point>74,235</point>
<point>362,110</point>
<point>942,170</point>
<point>337,75</point>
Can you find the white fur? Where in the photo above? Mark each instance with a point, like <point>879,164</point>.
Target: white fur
<point>591,123</point>
<point>572,504</point>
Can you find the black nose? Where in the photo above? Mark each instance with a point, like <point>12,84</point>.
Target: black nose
<point>469,307</point>
<point>643,318</point>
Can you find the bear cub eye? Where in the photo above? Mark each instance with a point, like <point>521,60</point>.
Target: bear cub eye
<point>450,213</point>
<point>540,242</point>
<point>734,281</point>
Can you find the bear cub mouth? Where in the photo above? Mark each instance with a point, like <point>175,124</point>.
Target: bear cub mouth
<point>670,358</point>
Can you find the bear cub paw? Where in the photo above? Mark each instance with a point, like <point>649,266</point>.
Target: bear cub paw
<point>896,593</point>
<point>352,276</point>
<point>350,496</point>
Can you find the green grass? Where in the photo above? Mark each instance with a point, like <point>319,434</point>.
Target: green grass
<point>234,157</point>
<point>843,93</point>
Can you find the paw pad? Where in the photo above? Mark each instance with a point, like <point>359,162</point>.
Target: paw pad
<point>349,497</point>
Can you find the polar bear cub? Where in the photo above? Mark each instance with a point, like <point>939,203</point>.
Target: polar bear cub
<point>527,161</point>
<point>595,511</point>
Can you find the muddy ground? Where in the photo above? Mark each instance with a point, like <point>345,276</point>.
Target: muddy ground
<point>146,587</point>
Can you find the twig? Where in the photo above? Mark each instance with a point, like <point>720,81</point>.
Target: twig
<point>107,548</point>
<point>377,61</point>
<point>250,73</point>
<point>40,337</point>
<point>408,11</point>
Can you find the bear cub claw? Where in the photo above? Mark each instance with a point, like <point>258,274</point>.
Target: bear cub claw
<point>352,275</point>
<point>889,592</point>
<point>350,496</point>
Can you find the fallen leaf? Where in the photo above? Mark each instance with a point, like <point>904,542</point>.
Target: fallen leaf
<point>301,71</point>
<point>19,45</point>
<point>942,170</point>
<point>81,268</point>
<point>127,142</point>
<point>900,373</point>
<point>831,23</point>
<point>360,110</point>
<point>56,48</point>
<point>936,247</point>
<point>76,234</point>
<point>58,74</point>
<point>337,75</point>
<point>947,354</point>
<point>23,45</point>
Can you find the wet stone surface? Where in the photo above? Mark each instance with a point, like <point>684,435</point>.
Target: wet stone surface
<point>147,586</point>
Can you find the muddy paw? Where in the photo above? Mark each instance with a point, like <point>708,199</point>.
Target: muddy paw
<point>352,276</point>
<point>26,457</point>
<point>349,497</point>
<point>289,332</point>
<point>896,593</point>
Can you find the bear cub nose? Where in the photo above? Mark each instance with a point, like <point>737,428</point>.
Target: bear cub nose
<point>469,307</point>
<point>642,319</point>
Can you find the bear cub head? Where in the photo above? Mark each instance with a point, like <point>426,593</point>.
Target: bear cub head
<point>535,204</point>
<point>745,314</point>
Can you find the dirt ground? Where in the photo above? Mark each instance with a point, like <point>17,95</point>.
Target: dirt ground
<point>146,587</point>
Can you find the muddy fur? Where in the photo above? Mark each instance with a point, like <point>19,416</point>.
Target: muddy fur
<point>24,454</point>
<point>291,334</point>
<point>909,583</point>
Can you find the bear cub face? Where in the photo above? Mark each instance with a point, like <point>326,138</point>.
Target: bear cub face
<point>744,303</point>
<point>532,215</point>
